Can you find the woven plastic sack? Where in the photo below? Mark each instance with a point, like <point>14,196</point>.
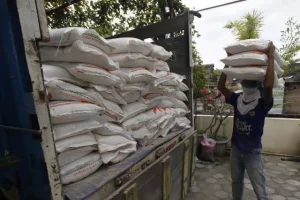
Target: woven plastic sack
<point>246,59</point>
<point>208,150</point>
<point>136,75</point>
<point>67,36</point>
<point>75,154</point>
<point>130,97</point>
<point>59,73</point>
<point>108,129</point>
<point>160,53</point>
<point>83,140</point>
<point>66,112</point>
<point>78,53</point>
<point>91,73</point>
<point>130,45</point>
<point>80,168</point>
<point>109,93</point>
<point>61,91</point>
<point>63,131</point>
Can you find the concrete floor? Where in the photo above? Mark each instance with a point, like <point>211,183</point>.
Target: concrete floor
<point>213,182</point>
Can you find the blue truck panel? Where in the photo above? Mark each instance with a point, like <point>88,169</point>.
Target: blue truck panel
<point>28,171</point>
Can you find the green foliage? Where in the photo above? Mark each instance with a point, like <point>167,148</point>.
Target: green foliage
<point>200,80</point>
<point>248,27</point>
<point>290,37</point>
<point>108,16</point>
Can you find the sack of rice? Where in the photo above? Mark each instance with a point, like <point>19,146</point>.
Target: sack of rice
<point>168,79</point>
<point>108,129</point>
<point>110,146</point>
<point>83,140</point>
<point>152,92</point>
<point>55,72</point>
<point>160,53</point>
<point>91,73</point>
<point>112,109</point>
<point>110,93</point>
<point>144,135</point>
<point>130,45</point>
<point>80,168</point>
<point>135,75</point>
<point>131,87</point>
<point>254,45</point>
<point>246,59</point>
<point>62,91</point>
<point>143,118</point>
<point>63,131</point>
<point>67,36</point>
<point>67,157</point>
<point>130,97</point>
<point>164,102</point>
<point>78,53</point>
<point>133,109</point>
<point>254,73</point>
<point>62,112</point>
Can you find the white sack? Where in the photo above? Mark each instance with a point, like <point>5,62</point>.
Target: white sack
<point>55,72</point>
<point>130,45</point>
<point>152,92</point>
<point>108,129</point>
<point>254,45</point>
<point>246,59</point>
<point>160,53</point>
<point>67,36</point>
<point>164,102</point>
<point>66,112</point>
<point>248,73</point>
<point>131,97</point>
<point>183,87</point>
<point>75,154</point>
<point>171,123</point>
<point>143,118</point>
<point>161,66</point>
<point>78,53</point>
<point>109,93</point>
<point>168,79</point>
<point>81,168</point>
<point>63,131</point>
<point>91,74</point>
<point>181,123</point>
<point>136,75</point>
<point>61,91</point>
<point>112,109</point>
<point>110,146</point>
<point>143,135</point>
<point>135,60</point>
<point>131,87</point>
<point>83,140</point>
<point>133,109</point>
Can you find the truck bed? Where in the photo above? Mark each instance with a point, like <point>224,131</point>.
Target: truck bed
<point>86,187</point>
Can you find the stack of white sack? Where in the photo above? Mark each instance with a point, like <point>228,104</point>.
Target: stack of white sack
<point>114,143</point>
<point>249,61</point>
<point>74,58</point>
<point>154,95</point>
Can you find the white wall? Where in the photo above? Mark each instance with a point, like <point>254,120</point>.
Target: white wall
<point>281,135</point>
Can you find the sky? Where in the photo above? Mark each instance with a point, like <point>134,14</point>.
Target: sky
<point>214,37</point>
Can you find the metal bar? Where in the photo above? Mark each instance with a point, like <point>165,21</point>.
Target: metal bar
<point>221,5</point>
<point>64,5</point>
<point>37,132</point>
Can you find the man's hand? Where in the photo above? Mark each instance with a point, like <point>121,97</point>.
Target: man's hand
<point>271,51</point>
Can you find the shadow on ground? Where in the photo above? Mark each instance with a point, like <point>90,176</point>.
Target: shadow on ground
<point>213,182</point>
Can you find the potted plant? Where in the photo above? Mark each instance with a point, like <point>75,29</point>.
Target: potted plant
<point>214,104</point>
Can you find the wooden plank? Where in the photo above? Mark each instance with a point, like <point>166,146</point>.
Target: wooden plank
<point>115,195</point>
<point>166,178</point>
<point>31,32</point>
<point>131,193</point>
<point>193,166</point>
<point>42,20</point>
<point>186,166</point>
